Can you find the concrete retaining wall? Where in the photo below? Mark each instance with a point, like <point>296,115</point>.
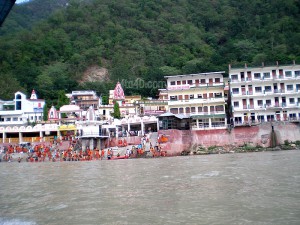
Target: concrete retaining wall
<point>255,135</point>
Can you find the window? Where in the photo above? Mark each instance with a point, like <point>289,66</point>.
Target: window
<point>235,90</point>
<point>236,104</point>
<point>257,89</point>
<point>292,101</point>
<point>267,75</point>
<point>15,118</point>
<point>8,119</point>
<point>178,82</point>
<point>217,80</point>
<point>203,81</point>
<point>191,96</point>
<point>256,75</point>
<point>297,73</point>
<point>173,97</point>
<point>181,110</point>
<point>190,82</point>
<point>288,73</point>
<point>219,108</point>
<point>218,95</point>
<point>31,118</point>
<point>172,82</point>
<point>199,95</point>
<point>199,109</point>
<point>289,87</point>
<point>259,102</point>
<point>193,109</point>
<point>268,102</point>
<point>268,89</point>
<point>184,82</point>
<point>234,77</point>
<point>174,110</point>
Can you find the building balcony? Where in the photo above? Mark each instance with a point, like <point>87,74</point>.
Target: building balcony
<point>172,88</point>
<point>197,101</point>
<point>265,79</point>
<point>12,123</point>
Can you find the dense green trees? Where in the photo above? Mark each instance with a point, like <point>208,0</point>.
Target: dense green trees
<point>116,113</point>
<point>140,39</point>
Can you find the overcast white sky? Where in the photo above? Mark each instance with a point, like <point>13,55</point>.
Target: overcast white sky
<point>19,1</point>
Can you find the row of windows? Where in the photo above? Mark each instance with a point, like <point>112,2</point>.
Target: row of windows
<point>263,118</point>
<point>266,75</point>
<point>289,87</point>
<point>15,119</point>
<point>196,81</point>
<point>8,119</point>
<point>268,102</point>
<point>193,96</point>
<point>218,108</point>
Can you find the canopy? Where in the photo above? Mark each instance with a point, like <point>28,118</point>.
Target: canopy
<point>67,127</point>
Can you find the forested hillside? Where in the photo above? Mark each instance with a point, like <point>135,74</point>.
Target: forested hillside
<point>145,39</point>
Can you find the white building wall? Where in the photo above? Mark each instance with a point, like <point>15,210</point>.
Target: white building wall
<point>266,93</point>
<point>200,96</point>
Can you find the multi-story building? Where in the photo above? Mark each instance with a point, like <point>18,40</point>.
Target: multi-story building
<point>262,94</point>
<point>21,110</point>
<point>199,96</point>
<point>85,99</point>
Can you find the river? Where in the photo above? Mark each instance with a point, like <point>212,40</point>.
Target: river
<point>250,188</point>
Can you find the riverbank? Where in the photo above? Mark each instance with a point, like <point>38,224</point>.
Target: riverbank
<point>201,150</point>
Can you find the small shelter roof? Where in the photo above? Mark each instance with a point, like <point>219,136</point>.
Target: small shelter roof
<point>69,108</point>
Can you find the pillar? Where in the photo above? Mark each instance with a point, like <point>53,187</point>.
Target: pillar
<point>91,143</point>
<point>117,131</point>
<point>83,144</point>
<point>4,137</point>
<point>157,124</point>
<point>99,143</point>
<point>59,117</point>
<point>209,120</point>
<point>197,121</point>
<point>41,136</point>
<point>142,127</point>
<point>20,137</point>
<point>58,133</point>
<point>128,127</point>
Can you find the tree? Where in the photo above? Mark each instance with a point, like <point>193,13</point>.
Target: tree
<point>45,112</point>
<point>117,113</point>
<point>62,99</point>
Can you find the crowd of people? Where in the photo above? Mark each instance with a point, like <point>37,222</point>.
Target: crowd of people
<point>41,152</point>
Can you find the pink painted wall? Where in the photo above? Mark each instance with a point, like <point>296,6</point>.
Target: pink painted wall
<point>254,135</point>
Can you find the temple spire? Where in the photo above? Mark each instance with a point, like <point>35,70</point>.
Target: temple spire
<point>33,95</point>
